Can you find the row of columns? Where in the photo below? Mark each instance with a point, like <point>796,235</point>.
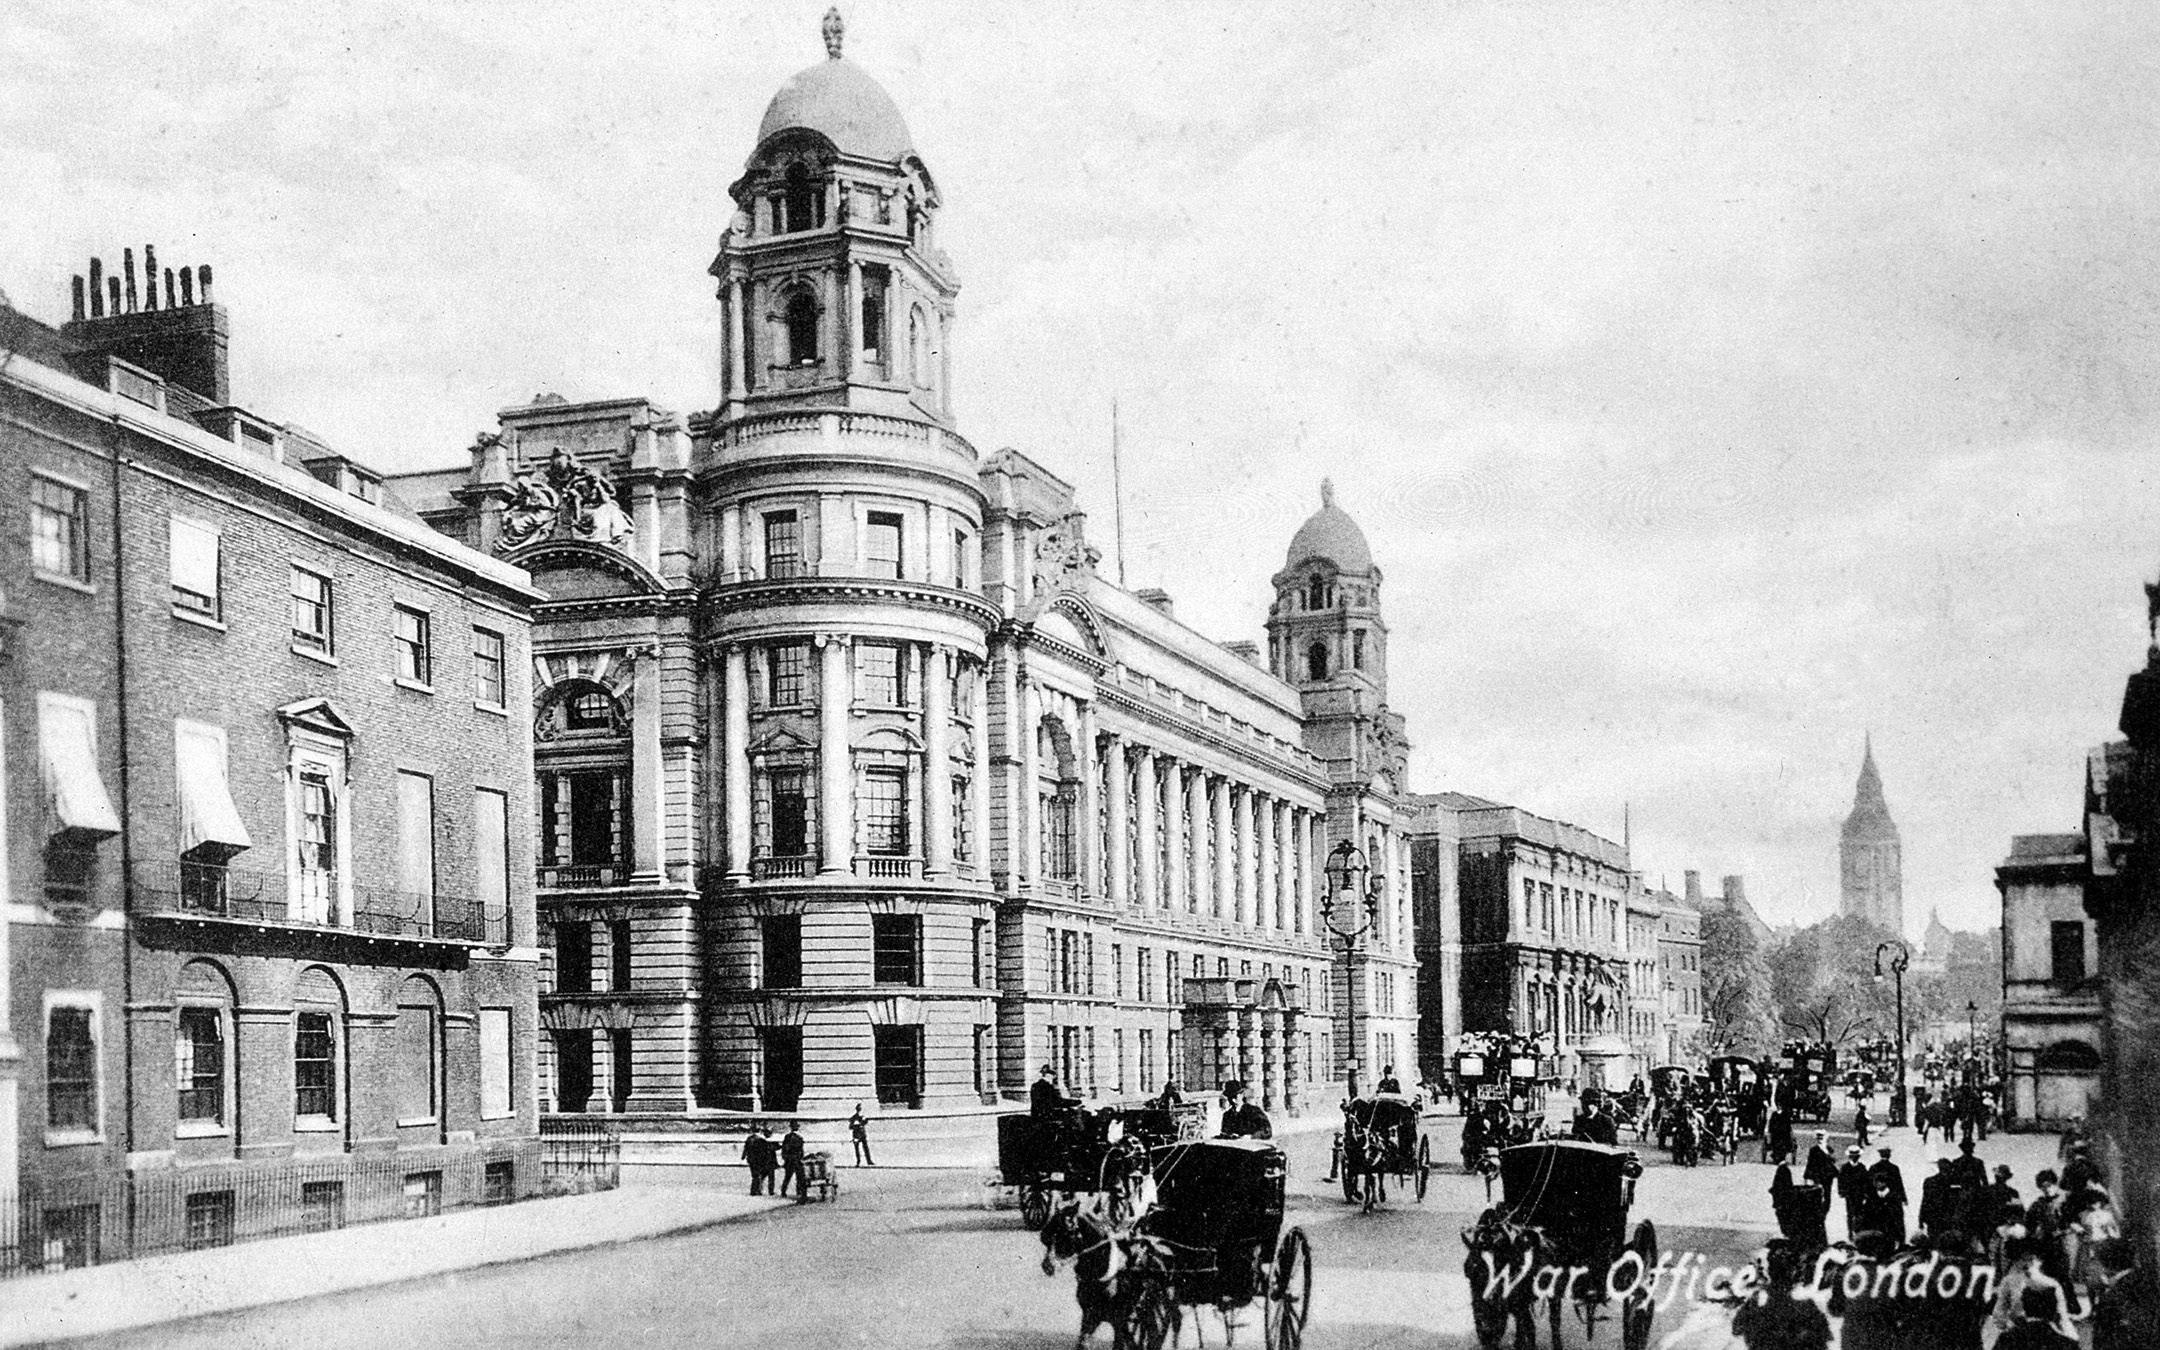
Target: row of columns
<point>836,776</point>
<point>1259,1046</point>
<point>1268,846</point>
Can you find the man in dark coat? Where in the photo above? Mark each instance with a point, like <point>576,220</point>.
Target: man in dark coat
<point>1853,1187</point>
<point>1777,1138</point>
<point>1887,1213</point>
<point>1241,1119</point>
<point>1939,1201</point>
<point>758,1152</point>
<point>1046,1100</point>
<point>1967,1170</point>
<point>1821,1166</point>
<point>791,1161</point>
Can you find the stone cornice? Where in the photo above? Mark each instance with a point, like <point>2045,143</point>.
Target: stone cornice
<point>745,595</point>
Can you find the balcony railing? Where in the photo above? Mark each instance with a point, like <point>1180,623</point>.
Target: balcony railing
<point>248,896</point>
<point>768,869</point>
<point>582,876</point>
<point>888,867</point>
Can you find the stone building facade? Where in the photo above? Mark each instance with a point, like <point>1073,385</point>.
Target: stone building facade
<point>268,899</point>
<point>1871,877</point>
<point>1679,948</point>
<point>2050,975</point>
<point>858,783</point>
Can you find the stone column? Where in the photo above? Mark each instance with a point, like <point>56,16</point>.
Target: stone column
<point>1225,906</point>
<point>1028,866</point>
<point>1087,831</point>
<point>836,776</point>
<point>1198,882</point>
<point>1271,1058</point>
<point>1286,916</point>
<point>1172,859</point>
<point>1144,766</point>
<point>1292,1075</point>
<point>1118,884</point>
<point>1242,853</point>
<point>852,324</point>
<point>1308,845</point>
<point>937,756</point>
<point>979,785</point>
<point>738,357</point>
<point>1244,1019</point>
<point>735,715</point>
<point>648,787</point>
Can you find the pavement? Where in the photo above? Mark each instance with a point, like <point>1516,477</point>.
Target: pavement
<point>127,1295</point>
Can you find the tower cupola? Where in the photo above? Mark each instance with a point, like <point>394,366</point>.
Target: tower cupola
<point>1325,624</point>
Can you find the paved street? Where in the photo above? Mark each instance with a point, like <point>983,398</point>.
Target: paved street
<point>921,1258</point>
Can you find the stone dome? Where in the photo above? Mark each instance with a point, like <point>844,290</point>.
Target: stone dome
<point>836,99</point>
<point>1330,533</point>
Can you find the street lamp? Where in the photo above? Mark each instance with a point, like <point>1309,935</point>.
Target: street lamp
<point>1349,907</point>
<point>1898,966</point>
<point>1972,1040</point>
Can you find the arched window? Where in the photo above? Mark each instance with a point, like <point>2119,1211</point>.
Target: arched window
<point>1316,661</point>
<point>318,1050</point>
<point>419,1054</point>
<point>202,1060</point>
<point>804,202</point>
<point>1316,594</point>
<point>802,328</point>
<point>584,778</point>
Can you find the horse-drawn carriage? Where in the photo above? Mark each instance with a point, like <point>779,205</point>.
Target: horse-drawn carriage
<point>1564,1212</point>
<point>1214,1238</point>
<point>1805,1079</point>
<point>1079,1151</point>
<point>1747,1086</point>
<point>1383,1137</point>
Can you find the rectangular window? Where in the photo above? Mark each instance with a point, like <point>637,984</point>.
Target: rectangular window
<point>619,949</point>
<point>1147,1060</point>
<point>423,1194</point>
<point>783,545</point>
<point>409,640</point>
<point>896,949</point>
<point>488,667</point>
<point>59,529</point>
<point>71,1069</point>
<point>960,559</point>
<point>199,1065</point>
<point>785,804</point>
<point>491,862</point>
<point>976,954</point>
<point>1117,971</point>
<point>322,1206</point>
<point>573,957</point>
<point>495,1065</point>
<point>882,800</point>
<point>416,1064</point>
<point>311,612</point>
<point>881,544</point>
<point>416,845</point>
<point>314,1066</point>
<point>788,684</point>
<point>2066,950</point>
<point>195,566</point>
<point>499,1183</point>
<point>316,844</point>
<point>897,1065</point>
<point>963,821</point>
<point>781,936</point>
<point>873,315</point>
<point>878,675</point>
<point>209,1220</point>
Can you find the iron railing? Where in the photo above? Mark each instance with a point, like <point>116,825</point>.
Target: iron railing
<point>54,1224</point>
<point>182,887</point>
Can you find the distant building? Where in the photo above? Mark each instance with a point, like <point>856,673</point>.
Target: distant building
<point>2050,981</point>
<point>263,844</point>
<point>1870,857</point>
<point>1680,967</point>
<point>1645,1028</point>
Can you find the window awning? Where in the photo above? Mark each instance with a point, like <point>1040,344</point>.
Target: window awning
<point>67,745</point>
<point>207,814</point>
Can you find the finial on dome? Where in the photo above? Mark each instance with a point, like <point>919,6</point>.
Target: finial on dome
<point>1327,492</point>
<point>835,28</point>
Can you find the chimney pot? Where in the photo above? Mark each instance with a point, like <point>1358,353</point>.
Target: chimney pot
<point>169,304</point>
<point>202,274</point>
<point>97,288</point>
<point>78,290</point>
<point>149,276</point>
<point>112,293</point>
<point>187,285</point>
<point>127,261</point>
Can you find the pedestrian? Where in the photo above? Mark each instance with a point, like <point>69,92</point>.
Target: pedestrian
<point>1821,1167</point>
<point>1776,1317</point>
<point>757,1151</point>
<point>791,1159</point>
<point>1777,1139</point>
<point>1861,1125</point>
<point>858,1129</point>
<point>2039,1327</point>
<point>1938,1201</point>
<point>1887,1214</point>
<point>1853,1188</point>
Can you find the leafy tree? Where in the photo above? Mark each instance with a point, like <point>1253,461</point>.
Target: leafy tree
<point>1823,981</point>
<point>1739,1014</point>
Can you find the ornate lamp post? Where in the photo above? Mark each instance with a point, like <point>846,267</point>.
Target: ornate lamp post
<point>1898,965</point>
<point>1972,1040</point>
<point>1349,907</point>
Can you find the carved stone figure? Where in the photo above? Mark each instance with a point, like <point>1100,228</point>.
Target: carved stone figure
<point>1063,556</point>
<point>564,500</point>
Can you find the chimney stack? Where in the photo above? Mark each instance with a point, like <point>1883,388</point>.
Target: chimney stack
<point>1692,881</point>
<point>1735,892</point>
<point>183,341</point>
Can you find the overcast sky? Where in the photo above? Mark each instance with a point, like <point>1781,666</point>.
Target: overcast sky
<point>1716,382</point>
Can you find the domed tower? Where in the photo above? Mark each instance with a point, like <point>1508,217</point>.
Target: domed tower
<point>1326,638</point>
<point>835,292</point>
<point>1870,857</point>
<point>844,629</point>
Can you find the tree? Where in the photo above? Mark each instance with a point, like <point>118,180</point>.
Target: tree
<point>1823,981</point>
<point>1739,1012</point>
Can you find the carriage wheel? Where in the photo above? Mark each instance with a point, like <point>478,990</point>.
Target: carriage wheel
<point>1636,1312</point>
<point>1289,1294</point>
<point>1148,1320</point>
<point>1034,1206</point>
<point>1424,1167</point>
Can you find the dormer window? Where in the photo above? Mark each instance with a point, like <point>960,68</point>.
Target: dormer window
<point>802,328</point>
<point>803,204</point>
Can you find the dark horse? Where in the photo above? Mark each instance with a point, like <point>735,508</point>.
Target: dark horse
<point>1502,1264</point>
<point>1113,1273</point>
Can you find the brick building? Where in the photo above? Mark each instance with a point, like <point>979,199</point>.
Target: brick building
<point>266,873</point>
<point>2050,980</point>
<point>859,783</point>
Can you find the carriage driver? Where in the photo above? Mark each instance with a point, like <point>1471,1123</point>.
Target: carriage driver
<point>1046,1100</point>
<point>1241,1119</point>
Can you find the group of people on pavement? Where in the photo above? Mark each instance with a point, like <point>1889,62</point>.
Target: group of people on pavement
<point>766,1155</point>
<point>2056,1260</point>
